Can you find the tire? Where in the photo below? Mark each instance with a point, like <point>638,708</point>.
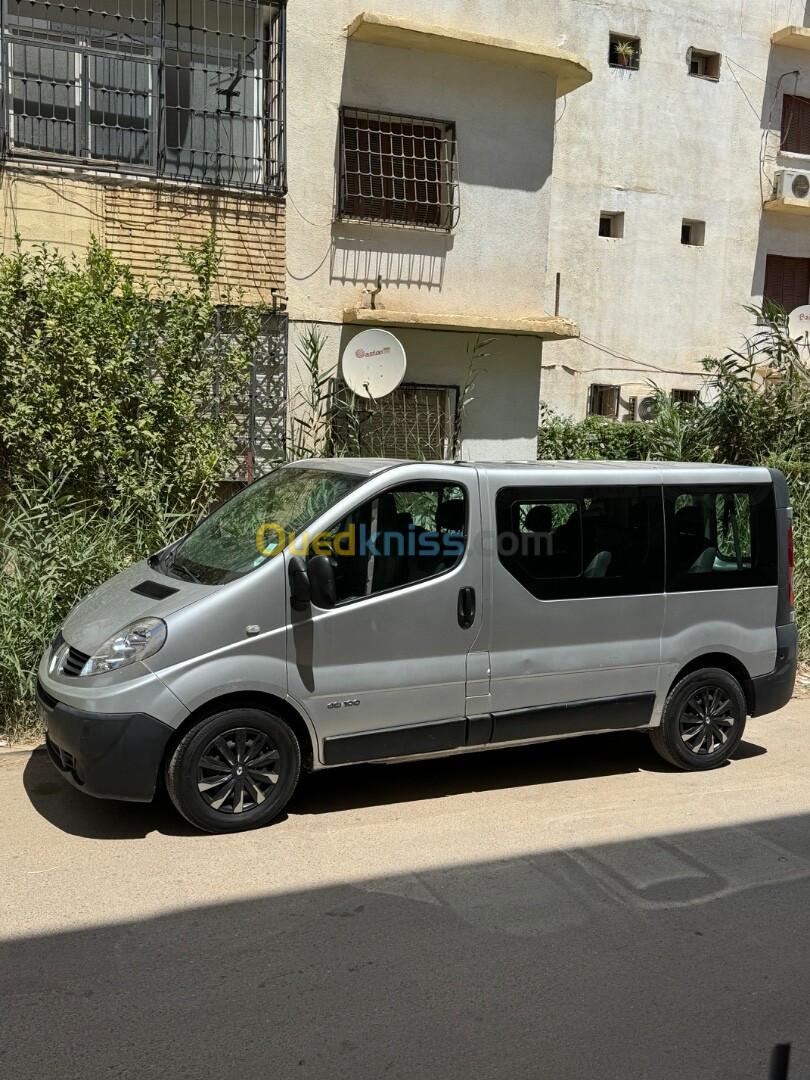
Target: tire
<point>703,721</point>
<point>235,770</point>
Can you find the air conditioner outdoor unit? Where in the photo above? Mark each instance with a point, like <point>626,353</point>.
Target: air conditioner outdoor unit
<point>792,184</point>
<point>644,409</point>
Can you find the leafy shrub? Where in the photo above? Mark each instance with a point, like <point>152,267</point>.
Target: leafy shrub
<point>562,439</point>
<point>118,409</point>
<point>126,388</point>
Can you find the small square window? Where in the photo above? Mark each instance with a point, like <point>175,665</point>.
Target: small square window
<point>704,65</point>
<point>693,233</point>
<point>603,400</point>
<point>611,224</point>
<point>624,52</point>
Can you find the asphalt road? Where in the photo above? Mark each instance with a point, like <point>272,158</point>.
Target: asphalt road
<point>574,910</point>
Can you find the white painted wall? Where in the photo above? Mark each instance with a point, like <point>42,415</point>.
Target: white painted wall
<point>494,262</point>
<point>656,144</point>
<point>662,146</point>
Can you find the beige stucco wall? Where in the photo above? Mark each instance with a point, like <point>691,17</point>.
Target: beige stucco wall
<point>500,420</point>
<point>661,146</point>
<point>144,223</point>
<point>493,263</point>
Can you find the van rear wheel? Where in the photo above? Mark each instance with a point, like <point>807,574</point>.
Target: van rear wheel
<point>235,770</point>
<point>703,721</point>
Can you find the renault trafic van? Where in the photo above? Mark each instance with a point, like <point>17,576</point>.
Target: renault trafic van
<point>354,611</point>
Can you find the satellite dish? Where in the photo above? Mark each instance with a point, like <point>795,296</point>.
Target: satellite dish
<point>799,329</point>
<point>374,364</point>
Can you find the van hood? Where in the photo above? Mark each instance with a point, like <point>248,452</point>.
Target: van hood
<point>139,590</point>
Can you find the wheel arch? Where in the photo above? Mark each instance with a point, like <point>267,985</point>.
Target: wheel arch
<point>250,700</point>
<point>725,662</point>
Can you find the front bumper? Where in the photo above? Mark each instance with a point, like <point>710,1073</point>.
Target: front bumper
<point>108,755</point>
<point>774,691</point>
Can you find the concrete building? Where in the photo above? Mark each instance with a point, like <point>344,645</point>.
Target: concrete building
<point>649,195</point>
<point>664,223</point>
<point>558,201</point>
<point>436,229</point>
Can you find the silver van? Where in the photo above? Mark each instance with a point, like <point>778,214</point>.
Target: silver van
<point>354,611</point>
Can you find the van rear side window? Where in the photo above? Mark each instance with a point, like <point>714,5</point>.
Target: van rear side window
<point>721,539</point>
<point>577,543</point>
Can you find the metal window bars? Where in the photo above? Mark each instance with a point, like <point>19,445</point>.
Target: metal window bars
<point>415,422</point>
<point>189,89</point>
<point>401,170</point>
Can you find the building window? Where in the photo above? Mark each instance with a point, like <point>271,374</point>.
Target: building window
<point>624,52</point>
<point>796,124</point>
<point>704,65</point>
<point>188,89</point>
<point>685,397</point>
<point>400,170</point>
<point>787,281</point>
<point>693,233</point>
<point>418,422</point>
<point>603,400</point>
<point>611,225</point>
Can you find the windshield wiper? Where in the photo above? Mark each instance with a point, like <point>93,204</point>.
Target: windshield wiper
<point>180,569</point>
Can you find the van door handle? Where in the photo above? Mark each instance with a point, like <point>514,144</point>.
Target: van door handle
<point>466,608</point>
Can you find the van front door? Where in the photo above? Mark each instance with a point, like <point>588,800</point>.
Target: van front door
<point>578,609</point>
<point>383,674</point>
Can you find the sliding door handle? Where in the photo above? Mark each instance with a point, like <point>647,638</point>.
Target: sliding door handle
<point>466,608</point>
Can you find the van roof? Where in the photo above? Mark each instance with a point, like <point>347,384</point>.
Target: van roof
<point>668,471</point>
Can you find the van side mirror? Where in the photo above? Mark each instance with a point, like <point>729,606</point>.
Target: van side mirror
<point>322,582</point>
<point>300,592</point>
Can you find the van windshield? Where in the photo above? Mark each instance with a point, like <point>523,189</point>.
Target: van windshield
<point>224,546</point>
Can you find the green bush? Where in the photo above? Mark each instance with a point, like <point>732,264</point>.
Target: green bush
<point>118,410</point>
<point>125,388</point>
<point>561,439</point>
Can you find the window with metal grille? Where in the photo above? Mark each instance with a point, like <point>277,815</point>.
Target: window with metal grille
<point>415,422</point>
<point>398,169</point>
<point>796,124</point>
<point>190,89</point>
<point>603,400</point>
<point>787,281</point>
<point>685,397</point>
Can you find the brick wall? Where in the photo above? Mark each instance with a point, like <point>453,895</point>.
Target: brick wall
<point>144,223</point>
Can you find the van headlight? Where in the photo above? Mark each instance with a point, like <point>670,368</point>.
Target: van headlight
<point>138,641</point>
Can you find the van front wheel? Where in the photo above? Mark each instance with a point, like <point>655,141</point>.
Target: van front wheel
<point>703,721</point>
<point>233,771</point>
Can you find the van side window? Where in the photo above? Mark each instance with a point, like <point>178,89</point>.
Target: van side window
<point>721,539</point>
<point>399,538</point>
<point>569,544</point>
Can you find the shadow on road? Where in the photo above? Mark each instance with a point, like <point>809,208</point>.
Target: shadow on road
<point>360,786</point>
<point>674,958</point>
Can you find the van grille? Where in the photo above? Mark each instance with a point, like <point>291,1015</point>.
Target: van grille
<point>61,758</point>
<point>45,697</point>
<point>74,662</point>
